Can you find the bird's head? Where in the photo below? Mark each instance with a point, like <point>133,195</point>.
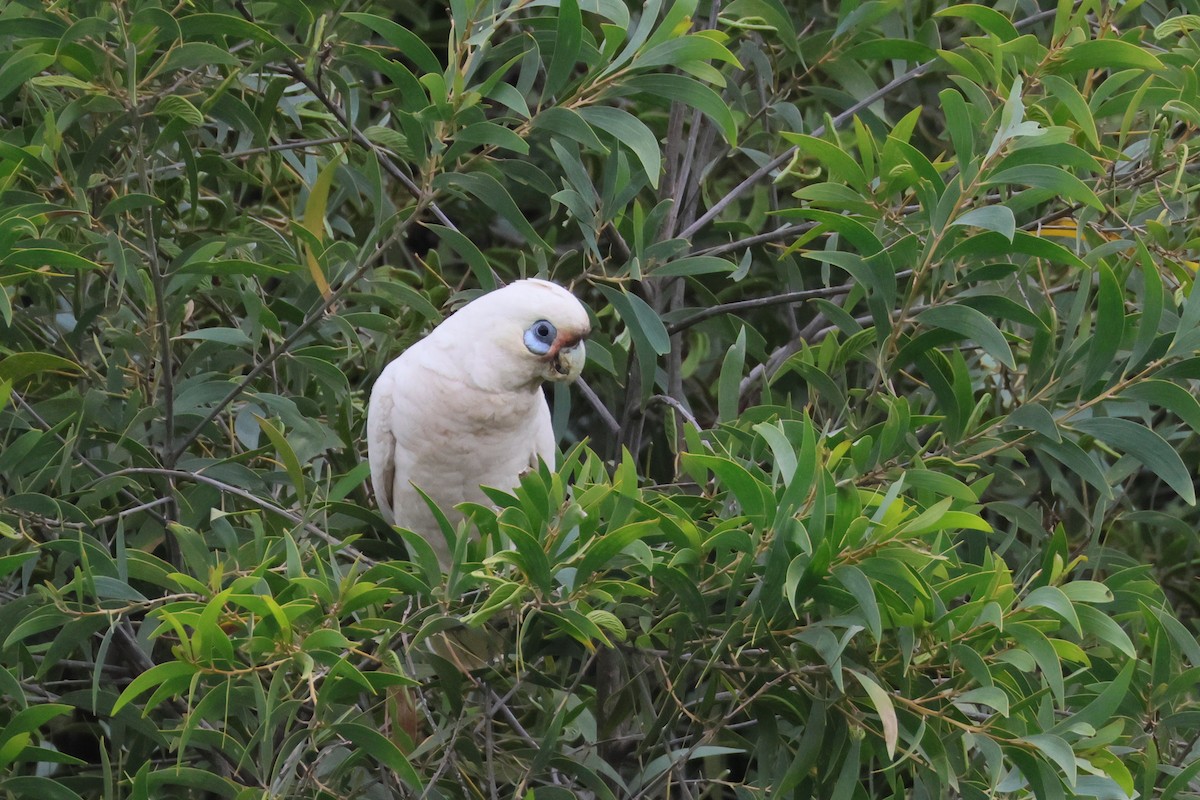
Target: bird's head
<point>528,332</point>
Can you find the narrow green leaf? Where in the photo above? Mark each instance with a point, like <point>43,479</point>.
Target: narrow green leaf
<point>677,52</point>
<point>1110,328</point>
<point>859,586</point>
<point>884,708</point>
<point>781,448</point>
<point>20,67</point>
<point>221,25</point>
<point>1038,646</point>
<point>691,92</point>
<point>155,676</point>
<point>840,164</point>
<point>383,750</point>
<point>489,133</point>
<point>38,257</point>
<point>730,378</point>
<point>694,265</point>
<point>1059,752</point>
<point>469,252</point>
<point>17,366</point>
<point>494,197</point>
<point>637,313</point>
<point>1070,455</point>
<point>234,337</point>
<point>958,122</point>
<point>568,40</point>
<point>1047,176</point>
<point>1106,54</point>
<point>991,696</point>
<point>1071,98</point>
<point>970,324</point>
<point>1102,626</point>
<point>288,456</point>
<point>1146,446</point>
<point>31,786</point>
<point>631,132</point>
<point>985,17</point>
<point>1036,418</point>
<point>998,218</point>
<point>1171,396</point>
<point>1052,598</point>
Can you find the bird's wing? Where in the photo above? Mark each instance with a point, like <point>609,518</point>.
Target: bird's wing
<point>543,437</point>
<point>381,443</point>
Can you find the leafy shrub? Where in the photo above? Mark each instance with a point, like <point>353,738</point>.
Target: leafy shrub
<point>881,483</point>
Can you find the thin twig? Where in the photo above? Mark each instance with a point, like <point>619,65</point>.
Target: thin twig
<point>786,298</point>
<point>283,347</point>
<point>598,406</point>
<point>266,505</point>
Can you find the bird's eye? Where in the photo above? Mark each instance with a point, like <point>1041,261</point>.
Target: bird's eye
<point>540,336</point>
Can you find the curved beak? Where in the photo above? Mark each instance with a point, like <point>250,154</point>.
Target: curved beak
<point>568,362</point>
<point>567,355</point>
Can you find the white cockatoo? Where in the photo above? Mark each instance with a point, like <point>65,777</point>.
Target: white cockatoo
<point>464,407</point>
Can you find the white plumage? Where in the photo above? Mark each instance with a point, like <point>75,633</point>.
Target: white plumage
<point>464,407</point>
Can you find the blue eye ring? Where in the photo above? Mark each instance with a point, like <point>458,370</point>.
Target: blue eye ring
<point>540,336</point>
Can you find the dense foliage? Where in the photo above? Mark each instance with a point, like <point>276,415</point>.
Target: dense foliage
<point>881,482</point>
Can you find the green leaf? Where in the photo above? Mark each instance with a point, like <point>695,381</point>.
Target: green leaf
<point>884,708</point>
<point>1167,395</point>
<point>180,107</point>
<point>998,218</point>
<point>489,133</point>
<point>958,122</point>
<point>990,696</point>
<point>1099,711</point>
<point>235,337</point>
<point>469,252</point>
<point>694,265</point>
<point>730,379</point>
<point>970,324</point>
<point>18,366</point>
<point>288,456</point>
<point>567,122</point>
<point>1067,94</point>
<point>1070,455</point>
<point>13,561</point>
<point>1046,176</point>
<point>383,750</point>
<point>568,40</point>
<point>1058,751</point>
<point>1035,417</point>
<point>494,197</point>
<point>679,51</point>
<point>19,67</point>
<point>1146,446</point>
<point>157,675</point>
<point>38,257</point>
<point>629,131</point>
<point>1106,54</point>
<point>840,164</point>
<point>31,786</point>
<point>857,583</point>
<point>1110,328</point>
<point>639,316</point>
<point>1052,598</point>
<point>198,26</point>
<point>196,54</point>
<point>986,18</point>
<point>1102,626</point>
<point>601,551</point>
<point>412,46</point>
<point>689,91</point>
